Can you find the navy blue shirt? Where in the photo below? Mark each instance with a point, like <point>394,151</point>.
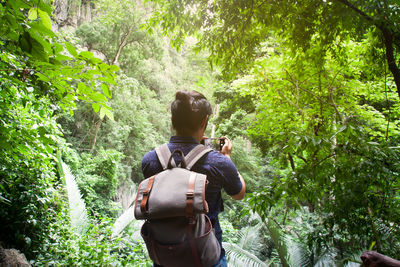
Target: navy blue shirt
<point>220,171</point>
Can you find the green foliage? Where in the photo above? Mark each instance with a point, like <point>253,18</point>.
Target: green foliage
<point>311,110</point>
<point>243,244</point>
<point>96,176</point>
<point>116,33</point>
<point>336,150</point>
<point>238,256</point>
<point>235,31</point>
<point>38,77</point>
<point>95,248</point>
<point>27,137</point>
<point>250,162</point>
<point>41,77</point>
<point>33,54</point>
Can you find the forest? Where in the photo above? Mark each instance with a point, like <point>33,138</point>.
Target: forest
<point>308,91</point>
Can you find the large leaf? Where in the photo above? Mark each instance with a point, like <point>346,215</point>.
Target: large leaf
<point>126,218</point>
<point>237,256</point>
<point>77,208</point>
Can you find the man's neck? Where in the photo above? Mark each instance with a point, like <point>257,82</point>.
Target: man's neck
<point>198,135</point>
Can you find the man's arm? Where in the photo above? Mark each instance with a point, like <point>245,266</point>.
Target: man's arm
<point>240,195</point>
<point>375,259</point>
<point>226,150</point>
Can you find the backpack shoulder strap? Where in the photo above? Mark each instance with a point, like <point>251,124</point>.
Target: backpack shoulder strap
<point>195,154</point>
<point>163,154</point>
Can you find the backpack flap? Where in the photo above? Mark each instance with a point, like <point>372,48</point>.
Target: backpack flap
<point>166,194</point>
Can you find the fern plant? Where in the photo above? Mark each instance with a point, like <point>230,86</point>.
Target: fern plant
<point>127,218</point>
<point>294,253</point>
<point>238,256</point>
<point>243,253</point>
<point>77,208</point>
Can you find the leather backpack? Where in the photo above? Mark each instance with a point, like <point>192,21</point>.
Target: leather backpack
<point>177,231</point>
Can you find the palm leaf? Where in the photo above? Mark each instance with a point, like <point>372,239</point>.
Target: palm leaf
<point>250,238</point>
<point>279,242</point>
<point>5,200</point>
<point>237,256</point>
<point>297,252</point>
<point>77,208</point>
<point>124,220</point>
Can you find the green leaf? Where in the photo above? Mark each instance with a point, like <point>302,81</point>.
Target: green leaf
<point>42,77</point>
<point>96,107</point>
<point>45,7</point>
<point>17,4</point>
<point>106,90</point>
<point>5,200</point>
<point>102,112</point>
<point>109,114</point>
<point>372,245</point>
<point>45,18</point>
<point>86,54</point>
<point>107,79</point>
<point>33,13</point>
<point>98,97</point>
<point>71,49</point>
<point>83,88</point>
<point>38,51</point>
<point>62,57</point>
<point>114,68</point>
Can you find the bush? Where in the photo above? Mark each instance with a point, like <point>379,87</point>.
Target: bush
<point>97,179</point>
<point>94,248</point>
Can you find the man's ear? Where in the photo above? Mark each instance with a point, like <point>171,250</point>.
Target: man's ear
<point>204,122</point>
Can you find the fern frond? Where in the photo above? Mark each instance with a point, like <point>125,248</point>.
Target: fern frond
<point>297,253</point>
<point>237,256</point>
<point>5,200</point>
<point>127,217</point>
<point>77,207</point>
<point>124,220</point>
<point>327,258</point>
<point>250,238</point>
<point>279,242</point>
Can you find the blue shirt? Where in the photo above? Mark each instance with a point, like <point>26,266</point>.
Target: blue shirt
<point>220,171</point>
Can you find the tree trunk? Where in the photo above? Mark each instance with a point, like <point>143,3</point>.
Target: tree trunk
<point>394,69</point>
<point>123,43</point>
<point>388,36</point>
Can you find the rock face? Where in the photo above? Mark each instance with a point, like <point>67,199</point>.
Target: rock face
<point>12,258</point>
<point>72,13</point>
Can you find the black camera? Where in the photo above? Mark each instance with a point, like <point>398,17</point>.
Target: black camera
<point>214,143</point>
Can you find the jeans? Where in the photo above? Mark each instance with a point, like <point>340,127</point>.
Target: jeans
<point>221,263</point>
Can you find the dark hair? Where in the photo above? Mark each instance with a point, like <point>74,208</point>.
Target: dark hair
<point>188,111</point>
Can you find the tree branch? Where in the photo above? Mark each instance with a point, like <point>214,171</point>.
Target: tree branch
<point>388,41</point>
<point>355,9</point>
<point>123,43</point>
<point>390,58</point>
<point>291,161</point>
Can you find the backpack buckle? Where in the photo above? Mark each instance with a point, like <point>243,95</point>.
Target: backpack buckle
<point>192,221</point>
<point>190,195</point>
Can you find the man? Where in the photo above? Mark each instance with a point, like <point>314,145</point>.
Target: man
<point>190,114</point>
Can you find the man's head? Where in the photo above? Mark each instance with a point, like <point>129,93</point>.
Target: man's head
<point>190,112</point>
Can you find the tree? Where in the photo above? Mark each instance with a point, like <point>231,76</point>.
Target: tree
<point>234,31</point>
<point>332,135</point>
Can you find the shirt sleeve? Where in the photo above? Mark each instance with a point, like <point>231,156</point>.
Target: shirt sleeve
<point>149,163</point>
<point>229,174</point>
